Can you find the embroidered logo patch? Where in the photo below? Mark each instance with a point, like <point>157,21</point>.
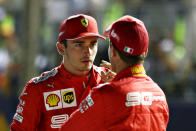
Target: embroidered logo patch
<point>19,109</point>
<point>18,117</point>
<point>86,103</point>
<point>142,98</point>
<point>128,50</point>
<point>46,76</point>
<point>52,100</point>
<point>60,99</point>
<point>58,120</point>
<point>84,22</point>
<point>68,97</point>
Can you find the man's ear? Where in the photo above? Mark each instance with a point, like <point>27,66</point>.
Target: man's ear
<point>60,48</point>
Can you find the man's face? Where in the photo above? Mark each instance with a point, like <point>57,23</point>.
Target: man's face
<point>80,54</point>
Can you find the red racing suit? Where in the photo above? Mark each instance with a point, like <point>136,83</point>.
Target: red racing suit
<point>132,101</point>
<point>47,101</point>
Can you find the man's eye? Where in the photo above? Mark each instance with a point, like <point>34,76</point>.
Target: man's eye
<point>78,45</point>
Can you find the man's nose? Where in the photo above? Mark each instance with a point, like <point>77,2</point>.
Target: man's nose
<point>87,50</point>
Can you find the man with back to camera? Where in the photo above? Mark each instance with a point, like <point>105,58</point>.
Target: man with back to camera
<point>131,101</point>
<point>48,100</point>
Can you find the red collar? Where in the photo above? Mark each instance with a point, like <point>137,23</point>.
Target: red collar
<point>91,79</point>
<point>136,70</point>
<point>65,74</point>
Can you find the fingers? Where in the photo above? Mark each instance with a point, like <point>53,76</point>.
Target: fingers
<point>108,76</point>
<point>106,64</point>
<point>103,76</point>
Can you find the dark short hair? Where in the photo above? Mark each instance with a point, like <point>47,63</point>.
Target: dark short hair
<point>64,42</point>
<point>128,59</point>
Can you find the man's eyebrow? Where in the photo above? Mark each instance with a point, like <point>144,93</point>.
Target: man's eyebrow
<point>78,41</point>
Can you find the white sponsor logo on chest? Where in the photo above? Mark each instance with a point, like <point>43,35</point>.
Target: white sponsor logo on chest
<point>142,98</point>
<point>58,120</point>
<point>60,99</point>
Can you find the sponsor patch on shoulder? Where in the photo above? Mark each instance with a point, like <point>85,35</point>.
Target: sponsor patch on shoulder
<point>18,117</point>
<point>46,76</point>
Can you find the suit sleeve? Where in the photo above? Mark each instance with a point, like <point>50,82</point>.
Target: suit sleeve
<point>28,113</point>
<point>89,116</point>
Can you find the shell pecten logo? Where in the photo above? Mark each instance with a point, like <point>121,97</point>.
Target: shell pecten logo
<point>52,100</point>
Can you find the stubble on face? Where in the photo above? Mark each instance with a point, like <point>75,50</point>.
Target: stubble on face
<point>80,54</point>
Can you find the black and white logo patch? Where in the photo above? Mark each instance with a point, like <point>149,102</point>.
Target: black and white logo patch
<point>46,76</point>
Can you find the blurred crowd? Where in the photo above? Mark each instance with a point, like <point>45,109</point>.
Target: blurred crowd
<point>171,61</point>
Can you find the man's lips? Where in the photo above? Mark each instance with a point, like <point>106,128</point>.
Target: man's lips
<point>86,60</point>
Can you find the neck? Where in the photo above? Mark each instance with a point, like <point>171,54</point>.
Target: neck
<point>122,65</point>
<point>77,73</point>
<point>122,68</point>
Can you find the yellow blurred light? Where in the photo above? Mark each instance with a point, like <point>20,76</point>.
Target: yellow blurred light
<point>7,26</point>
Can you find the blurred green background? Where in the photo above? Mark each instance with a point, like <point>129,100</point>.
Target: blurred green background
<point>29,32</point>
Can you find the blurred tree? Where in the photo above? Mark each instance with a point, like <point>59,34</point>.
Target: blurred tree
<point>30,40</point>
<point>115,10</point>
<point>189,62</point>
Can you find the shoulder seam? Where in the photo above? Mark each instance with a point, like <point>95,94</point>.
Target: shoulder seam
<point>45,76</point>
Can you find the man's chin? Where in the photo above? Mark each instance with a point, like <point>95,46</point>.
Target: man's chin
<point>88,67</point>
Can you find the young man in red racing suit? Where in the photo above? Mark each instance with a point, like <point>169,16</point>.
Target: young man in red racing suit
<point>48,100</point>
<point>132,101</point>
